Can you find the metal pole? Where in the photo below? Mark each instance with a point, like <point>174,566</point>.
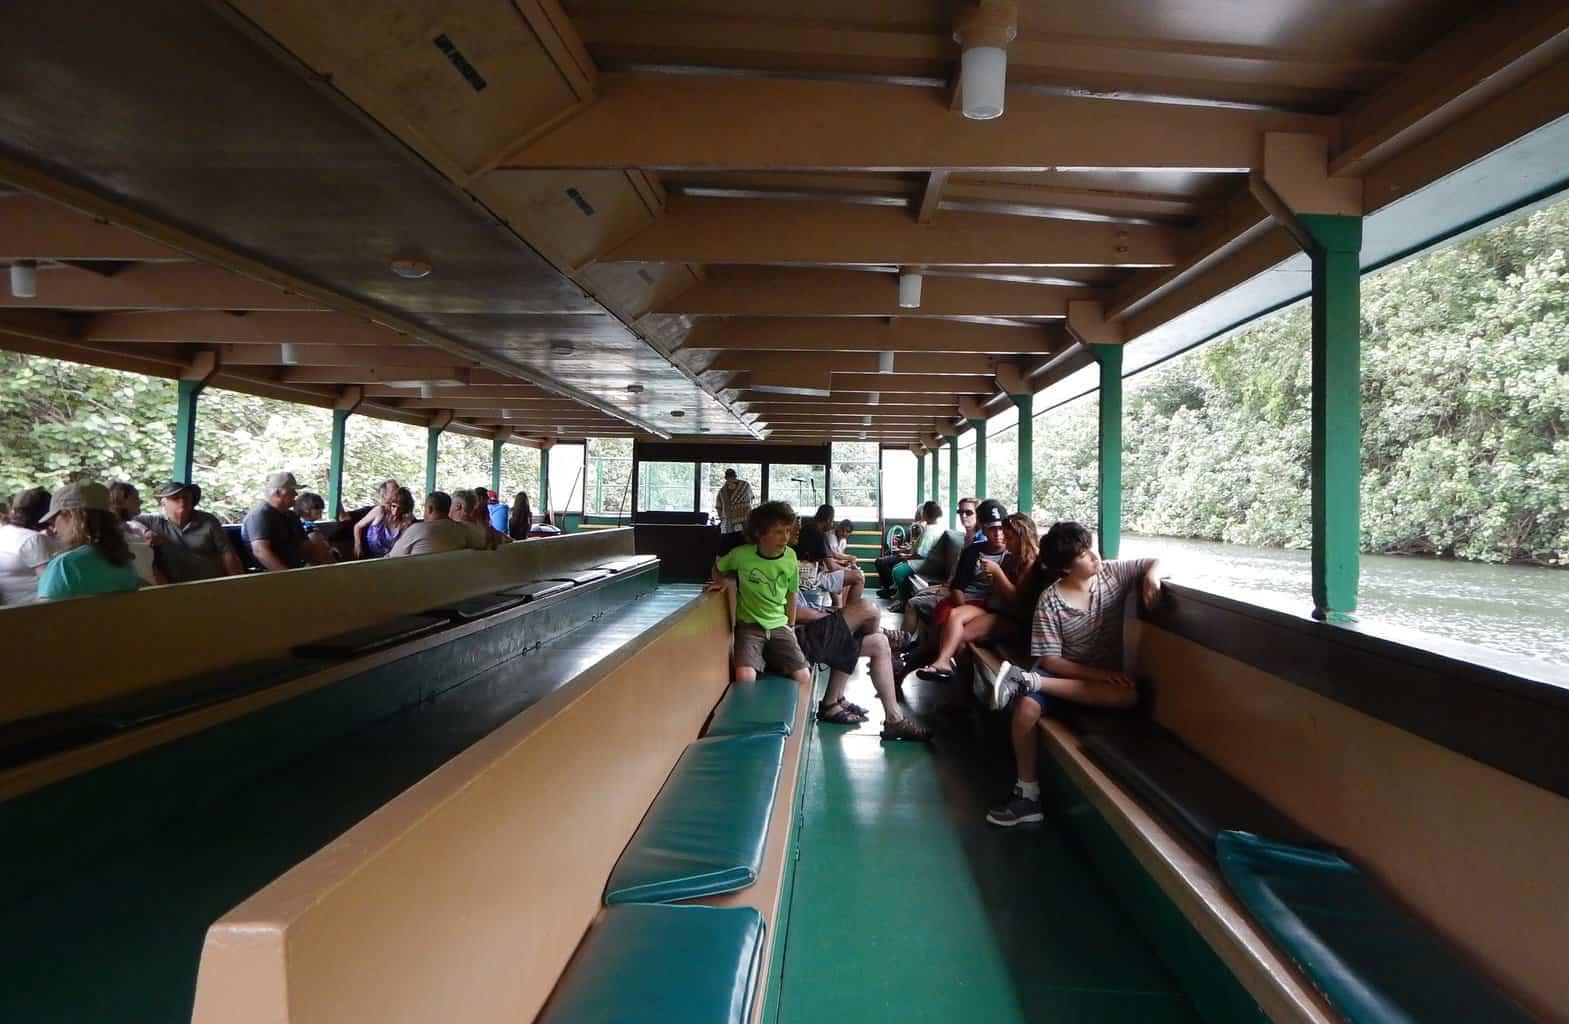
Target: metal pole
<point>1109,524</point>
<point>1336,413</point>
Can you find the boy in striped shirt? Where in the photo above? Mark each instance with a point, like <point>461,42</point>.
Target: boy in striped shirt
<point>1076,639</point>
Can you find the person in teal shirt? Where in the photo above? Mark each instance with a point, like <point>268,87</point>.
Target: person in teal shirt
<point>767,577</point>
<point>95,557</point>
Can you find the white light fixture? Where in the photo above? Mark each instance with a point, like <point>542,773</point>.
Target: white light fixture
<point>985,31</point>
<point>635,389</point>
<point>289,354</point>
<point>562,348</point>
<point>427,391</point>
<point>24,279</point>
<point>413,270</point>
<point>677,413</point>
<point>508,414</point>
<point>909,289</point>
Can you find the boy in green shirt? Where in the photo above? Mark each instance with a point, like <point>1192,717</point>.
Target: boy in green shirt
<point>766,581</point>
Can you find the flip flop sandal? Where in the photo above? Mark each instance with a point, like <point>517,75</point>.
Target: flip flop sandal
<point>934,675</point>
<point>854,709</point>
<point>838,714</point>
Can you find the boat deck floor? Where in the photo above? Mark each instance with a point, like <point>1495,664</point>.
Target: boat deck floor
<point>906,906</point>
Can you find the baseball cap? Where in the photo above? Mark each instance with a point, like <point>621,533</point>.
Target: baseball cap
<point>80,495</point>
<point>990,513</point>
<point>174,487</point>
<point>281,481</point>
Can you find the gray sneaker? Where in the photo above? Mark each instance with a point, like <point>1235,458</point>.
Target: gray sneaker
<point>1008,683</point>
<point>1017,811</point>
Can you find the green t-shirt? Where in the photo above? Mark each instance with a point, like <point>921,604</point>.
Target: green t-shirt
<point>81,572</point>
<point>763,584</point>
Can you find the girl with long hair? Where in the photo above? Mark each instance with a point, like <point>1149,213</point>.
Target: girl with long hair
<point>521,518</point>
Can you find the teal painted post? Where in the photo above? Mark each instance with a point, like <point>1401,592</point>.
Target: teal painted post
<point>980,457</point>
<point>340,421</point>
<point>185,430</point>
<point>937,476</point>
<point>920,479</point>
<point>495,466</point>
<point>1026,404</point>
<point>432,449</point>
<point>544,481</point>
<point>1337,412</point>
<point>1109,519</point>
<point>953,481</point>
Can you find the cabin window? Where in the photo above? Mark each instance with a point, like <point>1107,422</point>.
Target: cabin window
<point>463,462</point>
<point>376,450</point>
<point>667,486</point>
<point>855,481</point>
<point>803,486</point>
<point>713,476</point>
<point>566,478</point>
<point>242,438</point>
<point>519,472</point>
<point>899,498</point>
<point>610,476</point>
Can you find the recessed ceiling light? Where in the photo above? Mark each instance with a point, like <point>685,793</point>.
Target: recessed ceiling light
<point>24,279</point>
<point>562,348</point>
<point>636,389</point>
<point>411,269</point>
<point>677,413</point>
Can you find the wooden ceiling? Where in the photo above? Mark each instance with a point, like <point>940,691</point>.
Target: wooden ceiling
<point>634,209</point>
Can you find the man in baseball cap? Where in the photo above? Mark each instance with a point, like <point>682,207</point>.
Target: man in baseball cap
<point>188,544</point>
<point>275,534</point>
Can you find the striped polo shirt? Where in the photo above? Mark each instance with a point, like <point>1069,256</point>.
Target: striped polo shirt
<point>1092,636</point>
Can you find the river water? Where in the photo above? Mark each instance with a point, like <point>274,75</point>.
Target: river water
<point>1519,610</point>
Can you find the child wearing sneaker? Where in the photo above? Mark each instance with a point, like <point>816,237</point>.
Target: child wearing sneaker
<point>1076,640</point>
<point>767,577</point>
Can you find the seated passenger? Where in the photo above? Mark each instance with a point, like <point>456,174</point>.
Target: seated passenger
<point>767,576</point>
<point>25,547</point>
<point>918,607</point>
<point>390,520</point>
<point>274,532</point>
<point>125,501</point>
<point>94,558</point>
<point>466,509</point>
<point>1076,641</point>
<point>192,544</point>
<point>520,518</point>
<point>374,515</point>
<point>839,639</point>
<point>923,536</point>
<point>822,570</point>
<point>491,507</point>
<point>311,508</point>
<point>436,533</point>
<point>983,590</point>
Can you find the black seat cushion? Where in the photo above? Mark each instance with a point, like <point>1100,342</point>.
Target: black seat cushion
<point>581,576</point>
<point>478,607</point>
<point>1183,788</point>
<point>539,589</point>
<point>356,642</point>
<point>628,563</point>
<point>29,739</point>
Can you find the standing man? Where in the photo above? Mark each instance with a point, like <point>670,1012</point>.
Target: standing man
<point>193,544</point>
<point>734,503</point>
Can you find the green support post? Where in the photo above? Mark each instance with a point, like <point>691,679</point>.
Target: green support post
<point>1026,404</point>
<point>953,481</point>
<point>1109,520</point>
<point>980,457</point>
<point>1337,412</point>
<point>432,448</point>
<point>340,421</point>
<point>495,466</point>
<point>185,429</point>
<point>544,482</point>
<point>920,478</point>
<point>937,475</point>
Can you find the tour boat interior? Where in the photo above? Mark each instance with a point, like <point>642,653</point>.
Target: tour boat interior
<point>520,784</point>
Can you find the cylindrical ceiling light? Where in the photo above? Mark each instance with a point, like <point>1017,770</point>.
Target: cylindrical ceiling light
<point>24,279</point>
<point>985,31</point>
<point>427,391</point>
<point>909,289</point>
<point>289,354</point>
<point>508,414</point>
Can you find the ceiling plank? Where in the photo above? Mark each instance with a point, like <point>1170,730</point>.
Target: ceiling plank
<point>853,362</point>
<point>329,355</point>
<point>770,292</point>
<point>978,384</point>
<point>931,196</point>
<point>380,373</point>
<point>36,229</point>
<point>155,286</point>
<point>320,328</point>
<point>786,334</point>
<point>835,234</point>
<point>666,122</point>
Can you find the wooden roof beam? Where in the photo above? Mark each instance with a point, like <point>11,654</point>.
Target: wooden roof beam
<point>675,122</point>
<point>331,355</point>
<point>785,334</point>
<point>211,327</point>
<point>853,362</point>
<point>155,286</point>
<point>36,229</point>
<point>834,234</point>
<point>779,292</point>
<point>372,374</point>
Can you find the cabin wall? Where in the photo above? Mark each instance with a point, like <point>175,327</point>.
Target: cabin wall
<point>77,652</point>
<point>465,897</point>
<point>1474,851</point>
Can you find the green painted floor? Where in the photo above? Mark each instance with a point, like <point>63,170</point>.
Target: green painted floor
<point>906,906</point>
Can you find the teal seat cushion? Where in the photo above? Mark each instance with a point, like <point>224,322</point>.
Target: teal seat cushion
<point>705,832</point>
<point>539,589</point>
<point>766,705</point>
<point>1370,959</point>
<point>478,607</point>
<point>628,562</point>
<point>357,642</point>
<point>646,962</point>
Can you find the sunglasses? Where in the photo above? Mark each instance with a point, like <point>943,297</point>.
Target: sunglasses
<point>966,511</point>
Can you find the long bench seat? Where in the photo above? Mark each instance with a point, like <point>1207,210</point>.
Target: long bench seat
<point>628,563</point>
<point>655,962</point>
<point>706,831</point>
<point>766,705</point>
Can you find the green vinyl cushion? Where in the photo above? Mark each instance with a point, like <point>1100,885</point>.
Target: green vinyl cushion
<point>477,607</point>
<point>581,576</point>
<point>648,962</point>
<point>371,638</point>
<point>629,562</point>
<point>766,705</point>
<point>539,589</point>
<point>705,831</point>
<point>1370,959</point>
